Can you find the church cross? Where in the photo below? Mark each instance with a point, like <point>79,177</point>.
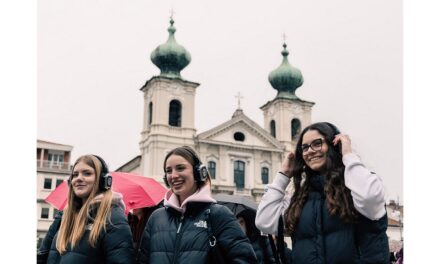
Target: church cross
<point>238,96</point>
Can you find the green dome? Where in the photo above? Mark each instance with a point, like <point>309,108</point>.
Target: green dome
<point>170,57</point>
<point>286,79</point>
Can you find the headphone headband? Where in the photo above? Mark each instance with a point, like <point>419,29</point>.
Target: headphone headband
<point>333,128</point>
<point>200,171</point>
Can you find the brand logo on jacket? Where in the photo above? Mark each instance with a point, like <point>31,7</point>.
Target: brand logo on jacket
<point>201,223</point>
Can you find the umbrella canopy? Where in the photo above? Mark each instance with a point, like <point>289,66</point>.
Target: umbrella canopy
<point>235,203</point>
<point>137,191</point>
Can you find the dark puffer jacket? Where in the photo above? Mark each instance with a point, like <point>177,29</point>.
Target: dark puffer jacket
<point>263,250</point>
<point>322,238</point>
<point>171,237</point>
<point>260,243</point>
<point>114,246</point>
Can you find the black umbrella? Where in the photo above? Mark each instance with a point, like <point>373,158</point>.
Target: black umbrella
<point>236,203</point>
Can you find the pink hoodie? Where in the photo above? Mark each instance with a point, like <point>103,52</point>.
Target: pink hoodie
<point>202,195</point>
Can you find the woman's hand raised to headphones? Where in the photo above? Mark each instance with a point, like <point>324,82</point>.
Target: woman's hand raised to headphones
<point>287,165</point>
<point>345,143</point>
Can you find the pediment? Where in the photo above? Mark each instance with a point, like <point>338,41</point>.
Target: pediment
<point>254,134</point>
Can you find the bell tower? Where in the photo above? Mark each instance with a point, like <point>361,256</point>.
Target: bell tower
<point>286,115</point>
<point>168,116</point>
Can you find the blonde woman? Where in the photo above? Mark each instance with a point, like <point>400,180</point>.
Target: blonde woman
<point>93,228</point>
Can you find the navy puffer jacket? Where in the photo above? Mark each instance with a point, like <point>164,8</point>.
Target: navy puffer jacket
<point>115,245</point>
<point>171,237</point>
<point>260,243</point>
<point>322,238</point>
<point>263,251</point>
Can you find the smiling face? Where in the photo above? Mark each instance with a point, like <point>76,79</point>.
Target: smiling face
<point>83,180</point>
<point>180,176</point>
<point>315,159</point>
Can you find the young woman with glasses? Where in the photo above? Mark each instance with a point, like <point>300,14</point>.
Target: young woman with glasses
<point>337,211</point>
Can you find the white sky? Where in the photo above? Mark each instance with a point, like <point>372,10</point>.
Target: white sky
<point>93,56</point>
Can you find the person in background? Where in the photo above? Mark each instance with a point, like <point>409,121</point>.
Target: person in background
<point>94,228</point>
<point>191,227</point>
<point>260,244</point>
<point>397,256</point>
<point>137,221</point>
<point>284,253</point>
<point>337,211</point>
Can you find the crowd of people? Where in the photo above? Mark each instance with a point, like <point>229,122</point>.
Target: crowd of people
<point>336,213</point>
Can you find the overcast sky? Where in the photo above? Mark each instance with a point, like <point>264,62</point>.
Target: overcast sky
<point>93,57</point>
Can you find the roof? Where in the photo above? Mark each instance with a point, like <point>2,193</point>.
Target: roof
<point>239,119</point>
<point>52,145</point>
<point>131,164</point>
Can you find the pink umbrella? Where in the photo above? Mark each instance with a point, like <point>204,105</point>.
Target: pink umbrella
<point>137,191</point>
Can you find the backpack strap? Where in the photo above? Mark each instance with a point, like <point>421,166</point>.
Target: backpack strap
<point>274,249</point>
<point>211,237</point>
<point>280,241</point>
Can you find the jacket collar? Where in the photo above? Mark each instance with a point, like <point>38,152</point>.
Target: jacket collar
<point>203,195</point>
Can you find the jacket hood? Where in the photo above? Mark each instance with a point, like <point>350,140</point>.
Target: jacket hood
<point>201,195</point>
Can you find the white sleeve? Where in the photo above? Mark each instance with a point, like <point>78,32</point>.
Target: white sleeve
<point>366,187</point>
<point>273,204</point>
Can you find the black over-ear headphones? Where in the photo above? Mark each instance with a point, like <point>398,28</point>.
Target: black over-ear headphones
<point>200,171</point>
<point>105,178</point>
<point>333,127</point>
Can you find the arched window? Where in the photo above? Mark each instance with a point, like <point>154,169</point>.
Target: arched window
<point>175,117</point>
<point>150,113</point>
<point>239,174</point>
<point>272,129</point>
<point>295,127</point>
<point>211,169</point>
<point>265,175</point>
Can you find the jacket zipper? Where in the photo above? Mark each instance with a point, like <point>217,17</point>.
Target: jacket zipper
<point>178,238</point>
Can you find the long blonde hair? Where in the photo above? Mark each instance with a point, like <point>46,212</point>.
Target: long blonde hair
<point>77,214</point>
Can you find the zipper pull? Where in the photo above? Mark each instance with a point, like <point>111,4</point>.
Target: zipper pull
<point>180,224</point>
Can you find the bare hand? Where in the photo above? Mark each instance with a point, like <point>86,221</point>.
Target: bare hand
<point>345,143</point>
<point>287,165</point>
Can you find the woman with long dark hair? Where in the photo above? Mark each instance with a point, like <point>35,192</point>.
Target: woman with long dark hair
<point>337,211</point>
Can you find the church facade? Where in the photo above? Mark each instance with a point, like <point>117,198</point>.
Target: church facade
<point>241,155</point>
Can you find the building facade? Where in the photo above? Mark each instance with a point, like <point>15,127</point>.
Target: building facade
<point>241,155</point>
<point>53,167</point>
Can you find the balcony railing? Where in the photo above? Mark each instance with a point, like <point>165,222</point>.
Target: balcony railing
<point>52,165</point>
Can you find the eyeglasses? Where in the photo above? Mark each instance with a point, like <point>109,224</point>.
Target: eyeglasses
<point>315,145</point>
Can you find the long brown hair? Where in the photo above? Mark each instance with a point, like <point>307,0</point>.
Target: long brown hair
<point>77,214</point>
<point>337,195</point>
